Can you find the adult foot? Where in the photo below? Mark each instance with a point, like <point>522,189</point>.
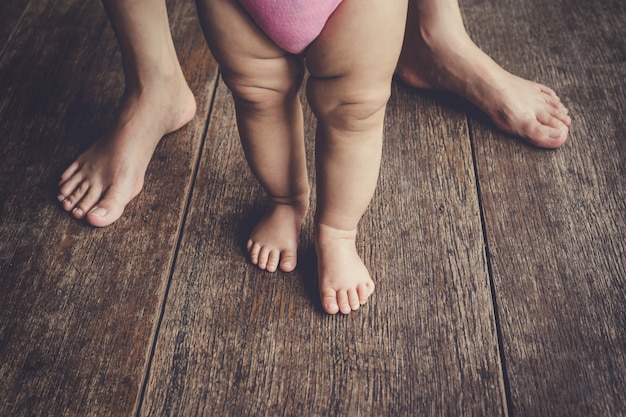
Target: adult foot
<point>274,241</point>
<point>344,282</point>
<point>104,179</point>
<point>449,60</point>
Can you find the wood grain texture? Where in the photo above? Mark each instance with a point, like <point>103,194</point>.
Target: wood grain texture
<point>78,306</point>
<point>238,341</point>
<point>555,221</point>
<point>11,13</point>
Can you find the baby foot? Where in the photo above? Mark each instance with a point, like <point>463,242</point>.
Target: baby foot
<point>274,240</point>
<point>344,281</point>
<point>454,63</point>
<point>103,180</point>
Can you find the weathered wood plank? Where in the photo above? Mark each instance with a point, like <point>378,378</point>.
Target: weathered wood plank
<point>78,306</point>
<point>11,13</point>
<point>556,221</point>
<point>237,341</point>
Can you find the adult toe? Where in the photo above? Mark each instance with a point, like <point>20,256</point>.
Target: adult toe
<point>107,210</point>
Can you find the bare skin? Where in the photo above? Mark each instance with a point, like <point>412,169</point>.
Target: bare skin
<point>348,94</point>
<point>438,54</point>
<point>264,81</point>
<point>104,179</point>
<point>157,101</point>
<point>274,241</point>
<point>347,283</point>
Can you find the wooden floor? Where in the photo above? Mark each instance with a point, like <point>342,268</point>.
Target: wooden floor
<point>500,268</point>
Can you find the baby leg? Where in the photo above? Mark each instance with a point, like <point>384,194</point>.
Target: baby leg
<point>157,100</point>
<point>351,66</point>
<point>264,81</point>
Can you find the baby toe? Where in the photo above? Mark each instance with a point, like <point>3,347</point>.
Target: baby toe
<point>363,293</point>
<point>288,261</point>
<point>329,302</point>
<point>343,302</point>
<point>264,255</point>
<point>254,249</point>
<point>272,260</point>
<point>353,299</point>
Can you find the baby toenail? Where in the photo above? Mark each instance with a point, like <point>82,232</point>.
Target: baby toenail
<point>356,307</point>
<point>98,211</point>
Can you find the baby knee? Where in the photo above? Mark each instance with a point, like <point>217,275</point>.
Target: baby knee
<point>255,96</point>
<point>261,95</point>
<point>355,111</point>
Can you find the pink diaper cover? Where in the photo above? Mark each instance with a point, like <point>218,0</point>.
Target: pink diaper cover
<point>291,24</point>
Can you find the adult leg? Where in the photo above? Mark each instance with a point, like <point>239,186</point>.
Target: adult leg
<point>351,66</point>
<point>156,101</point>
<point>264,81</point>
<point>438,53</point>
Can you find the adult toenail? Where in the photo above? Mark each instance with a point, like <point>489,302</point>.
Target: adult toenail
<point>556,134</point>
<point>98,211</point>
<point>356,307</point>
<point>78,211</point>
<point>61,197</point>
<point>67,202</point>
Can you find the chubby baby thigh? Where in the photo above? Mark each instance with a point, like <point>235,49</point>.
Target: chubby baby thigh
<point>361,37</point>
